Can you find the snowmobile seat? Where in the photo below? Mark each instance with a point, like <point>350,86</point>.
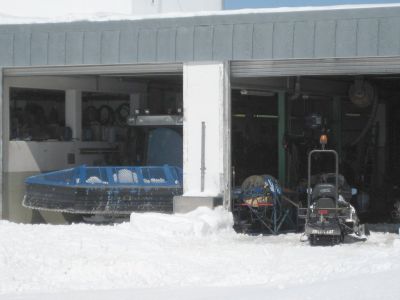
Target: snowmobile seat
<point>324,203</point>
<point>323,195</point>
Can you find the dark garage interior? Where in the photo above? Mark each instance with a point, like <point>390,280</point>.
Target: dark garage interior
<point>359,114</point>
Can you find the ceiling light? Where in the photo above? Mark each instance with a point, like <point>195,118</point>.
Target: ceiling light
<point>257,93</point>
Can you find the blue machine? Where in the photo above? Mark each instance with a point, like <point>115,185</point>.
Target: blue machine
<point>115,190</point>
<point>105,190</point>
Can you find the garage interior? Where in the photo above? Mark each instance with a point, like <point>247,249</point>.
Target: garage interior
<point>276,121</point>
<point>58,122</point>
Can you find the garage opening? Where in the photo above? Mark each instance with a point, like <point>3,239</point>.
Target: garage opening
<point>359,115</point>
<point>254,133</point>
<point>61,121</point>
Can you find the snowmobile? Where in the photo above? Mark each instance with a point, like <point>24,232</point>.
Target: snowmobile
<point>329,216</point>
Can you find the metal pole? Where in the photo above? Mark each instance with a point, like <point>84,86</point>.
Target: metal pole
<point>281,134</point>
<point>337,178</point>
<point>309,182</point>
<point>203,150</point>
<point>337,117</point>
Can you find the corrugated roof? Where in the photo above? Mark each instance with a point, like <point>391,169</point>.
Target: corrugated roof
<point>317,32</point>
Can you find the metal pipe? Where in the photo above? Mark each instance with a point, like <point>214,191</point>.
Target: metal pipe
<point>281,134</point>
<point>309,182</point>
<point>203,150</point>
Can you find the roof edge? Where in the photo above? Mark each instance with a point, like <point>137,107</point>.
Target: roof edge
<point>10,20</point>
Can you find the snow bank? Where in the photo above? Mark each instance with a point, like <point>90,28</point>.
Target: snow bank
<point>199,223</point>
<point>189,256</point>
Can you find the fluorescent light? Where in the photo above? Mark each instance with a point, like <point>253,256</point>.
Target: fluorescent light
<point>353,115</point>
<point>266,116</point>
<point>256,93</point>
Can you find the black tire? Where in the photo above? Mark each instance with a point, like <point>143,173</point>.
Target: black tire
<point>109,118</point>
<point>122,114</point>
<point>90,114</point>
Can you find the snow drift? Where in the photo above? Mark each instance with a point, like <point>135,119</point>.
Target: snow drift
<point>201,222</point>
<point>189,256</point>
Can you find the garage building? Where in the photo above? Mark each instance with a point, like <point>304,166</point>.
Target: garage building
<point>251,88</point>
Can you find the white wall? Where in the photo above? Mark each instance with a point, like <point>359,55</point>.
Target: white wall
<point>48,156</point>
<point>140,7</point>
<point>205,98</point>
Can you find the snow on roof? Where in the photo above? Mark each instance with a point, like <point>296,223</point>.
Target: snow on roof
<point>98,17</point>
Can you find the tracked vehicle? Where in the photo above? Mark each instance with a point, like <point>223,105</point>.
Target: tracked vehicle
<point>329,216</point>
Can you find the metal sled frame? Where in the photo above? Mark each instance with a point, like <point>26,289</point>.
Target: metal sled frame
<point>271,216</point>
<point>273,223</point>
<point>102,190</point>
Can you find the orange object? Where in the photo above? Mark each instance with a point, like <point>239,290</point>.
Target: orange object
<point>323,139</point>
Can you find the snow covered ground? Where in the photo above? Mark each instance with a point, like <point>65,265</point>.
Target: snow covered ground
<point>192,256</point>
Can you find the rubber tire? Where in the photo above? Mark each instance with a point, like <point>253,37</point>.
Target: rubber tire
<point>121,120</point>
<point>110,119</point>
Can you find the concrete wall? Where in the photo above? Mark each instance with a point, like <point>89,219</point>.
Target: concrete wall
<point>206,135</point>
<point>48,156</point>
<point>13,193</point>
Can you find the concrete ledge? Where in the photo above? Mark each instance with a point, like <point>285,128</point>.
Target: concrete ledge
<point>184,204</point>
